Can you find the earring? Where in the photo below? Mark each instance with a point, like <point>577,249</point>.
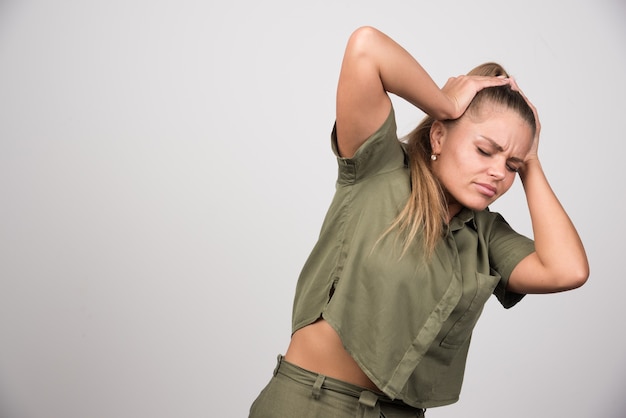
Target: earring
<point>433,157</point>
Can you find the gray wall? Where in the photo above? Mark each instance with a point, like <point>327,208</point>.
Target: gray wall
<point>165,167</point>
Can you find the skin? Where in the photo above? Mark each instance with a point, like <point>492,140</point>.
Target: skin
<point>476,155</point>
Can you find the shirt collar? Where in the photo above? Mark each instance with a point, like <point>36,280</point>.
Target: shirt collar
<point>459,220</point>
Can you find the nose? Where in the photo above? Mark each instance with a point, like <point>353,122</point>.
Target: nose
<point>497,170</point>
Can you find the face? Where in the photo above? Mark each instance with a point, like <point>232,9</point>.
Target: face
<point>478,155</point>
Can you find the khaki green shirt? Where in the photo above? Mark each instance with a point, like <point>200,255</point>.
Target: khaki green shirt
<point>406,321</point>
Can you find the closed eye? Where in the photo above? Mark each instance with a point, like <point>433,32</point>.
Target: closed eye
<point>514,164</point>
<point>511,168</point>
<point>483,152</point>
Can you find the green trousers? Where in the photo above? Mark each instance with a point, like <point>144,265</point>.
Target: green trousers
<point>294,392</point>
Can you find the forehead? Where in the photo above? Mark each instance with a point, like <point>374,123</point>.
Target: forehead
<point>500,126</point>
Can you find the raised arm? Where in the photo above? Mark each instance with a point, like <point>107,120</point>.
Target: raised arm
<point>559,262</point>
<point>374,65</point>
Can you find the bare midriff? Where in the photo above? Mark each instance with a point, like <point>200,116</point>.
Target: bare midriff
<point>318,348</point>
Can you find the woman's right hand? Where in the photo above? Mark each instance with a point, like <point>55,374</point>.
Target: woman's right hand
<point>461,90</point>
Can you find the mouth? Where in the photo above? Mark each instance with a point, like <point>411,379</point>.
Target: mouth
<point>486,189</point>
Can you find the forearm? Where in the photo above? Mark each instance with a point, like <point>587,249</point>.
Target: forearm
<point>557,243</point>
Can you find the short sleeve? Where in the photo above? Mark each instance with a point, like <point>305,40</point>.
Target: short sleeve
<point>380,153</point>
<point>506,249</point>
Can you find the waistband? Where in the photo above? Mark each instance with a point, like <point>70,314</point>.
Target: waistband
<point>369,401</point>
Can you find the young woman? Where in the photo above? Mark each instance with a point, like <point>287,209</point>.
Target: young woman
<point>409,252</point>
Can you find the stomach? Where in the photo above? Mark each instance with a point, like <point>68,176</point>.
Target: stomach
<point>318,348</point>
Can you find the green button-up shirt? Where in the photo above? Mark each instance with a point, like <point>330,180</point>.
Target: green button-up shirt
<point>407,320</point>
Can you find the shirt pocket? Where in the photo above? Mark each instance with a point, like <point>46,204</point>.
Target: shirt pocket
<point>463,327</point>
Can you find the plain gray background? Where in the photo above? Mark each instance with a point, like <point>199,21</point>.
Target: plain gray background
<point>165,167</point>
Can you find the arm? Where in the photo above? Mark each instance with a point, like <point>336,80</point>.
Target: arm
<point>559,261</point>
<point>374,65</point>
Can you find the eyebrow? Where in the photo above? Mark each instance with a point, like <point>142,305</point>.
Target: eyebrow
<point>500,149</point>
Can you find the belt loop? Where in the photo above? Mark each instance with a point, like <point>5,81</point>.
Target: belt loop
<point>368,405</point>
<point>317,386</point>
<point>279,359</point>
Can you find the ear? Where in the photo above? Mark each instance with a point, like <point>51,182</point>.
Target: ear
<point>437,136</point>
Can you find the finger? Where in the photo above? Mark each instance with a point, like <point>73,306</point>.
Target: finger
<point>516,88</point>
<point>487,81</point>
<point>496,80</point>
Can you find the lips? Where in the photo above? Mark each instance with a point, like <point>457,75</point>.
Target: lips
<point>486,189</point>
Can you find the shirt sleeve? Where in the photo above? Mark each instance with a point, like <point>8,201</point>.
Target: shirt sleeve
<point>380,153</point>
<point>506,249</point>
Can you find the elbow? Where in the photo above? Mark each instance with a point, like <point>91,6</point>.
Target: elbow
<point>584,276</point>
<point>361,40</point>
<point>364,32</point>
<point>571,272</point>
<point>576,278</point>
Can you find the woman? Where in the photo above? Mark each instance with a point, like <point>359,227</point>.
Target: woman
<point>409,252</point>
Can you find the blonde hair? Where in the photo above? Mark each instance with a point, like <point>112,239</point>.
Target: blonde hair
<point>426,210</point>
